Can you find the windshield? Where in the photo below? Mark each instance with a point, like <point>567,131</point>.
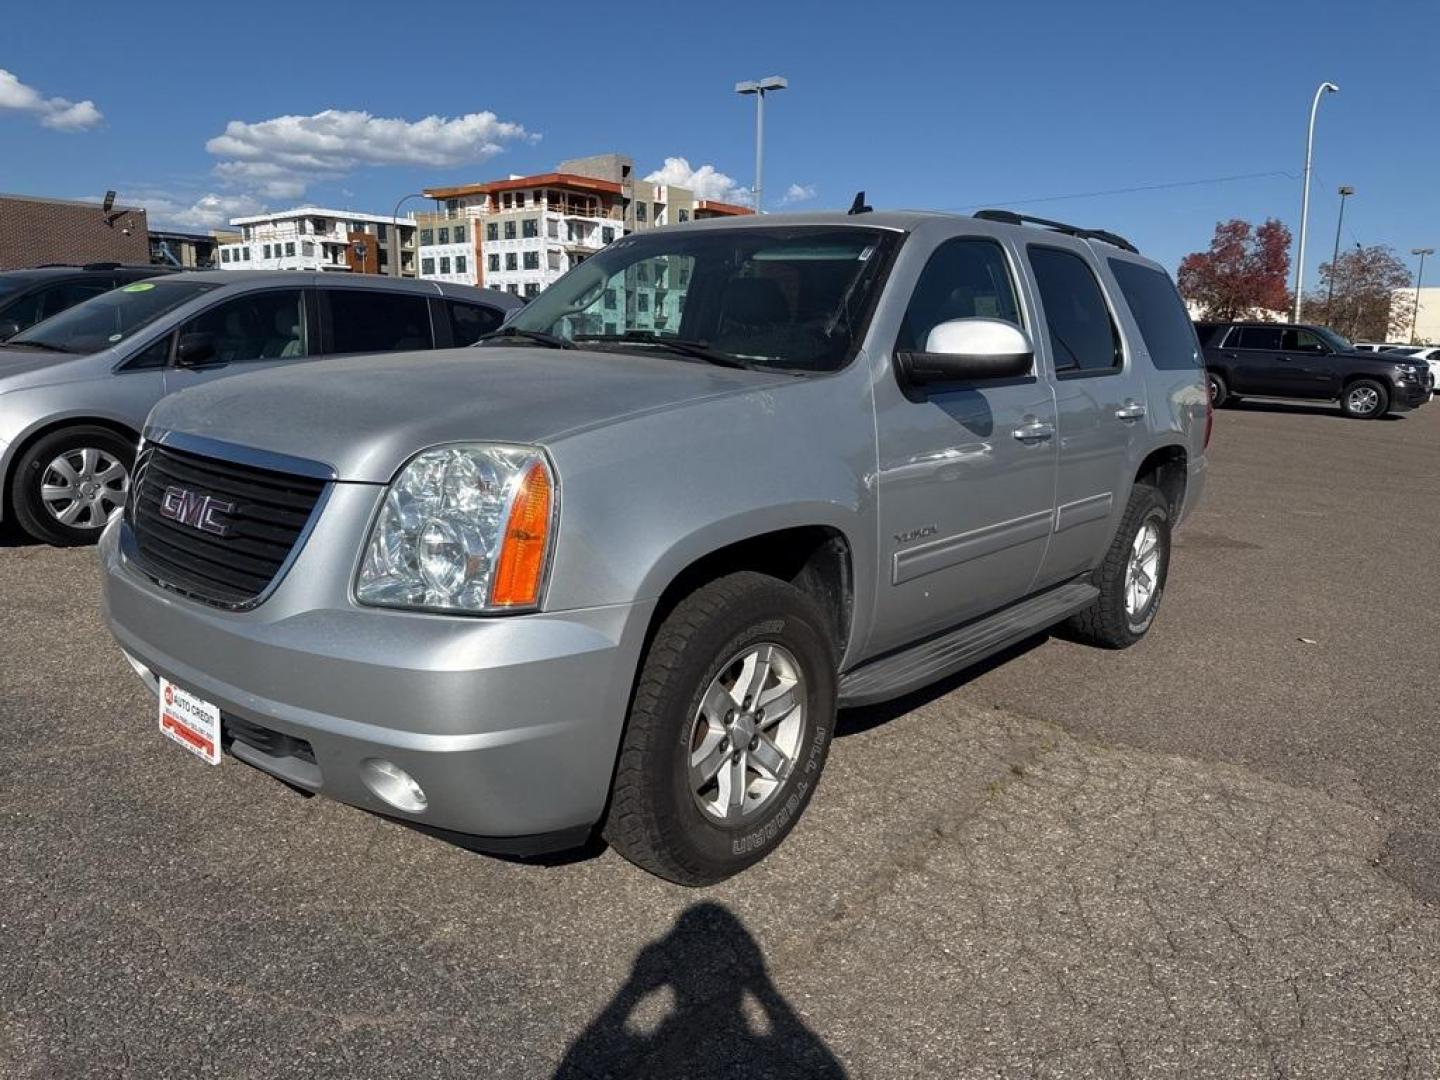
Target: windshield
<point>1338,342</point>
<point>111,317</point>
<point>794,297</point>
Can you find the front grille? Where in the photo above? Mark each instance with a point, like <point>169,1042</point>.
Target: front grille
<point>269,512</point>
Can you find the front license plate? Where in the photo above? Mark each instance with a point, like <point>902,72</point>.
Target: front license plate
<point>191,721</point>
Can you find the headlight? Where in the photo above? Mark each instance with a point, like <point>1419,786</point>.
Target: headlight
<point>463,528</point>
<point>1408,371</point>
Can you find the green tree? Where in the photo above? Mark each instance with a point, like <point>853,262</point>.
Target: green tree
<point>1369,301</point>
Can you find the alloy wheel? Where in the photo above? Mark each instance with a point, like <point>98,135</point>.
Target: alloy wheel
<point>83,486</point>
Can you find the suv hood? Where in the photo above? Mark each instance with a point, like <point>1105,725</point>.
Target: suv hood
<point>366,416</point>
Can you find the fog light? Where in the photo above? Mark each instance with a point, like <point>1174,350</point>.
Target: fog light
<point>393,785</point>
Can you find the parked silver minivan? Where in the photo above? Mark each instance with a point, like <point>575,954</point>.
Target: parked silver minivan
<point>75,389</point>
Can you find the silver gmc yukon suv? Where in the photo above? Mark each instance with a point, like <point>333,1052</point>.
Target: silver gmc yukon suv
<point>615,567</point>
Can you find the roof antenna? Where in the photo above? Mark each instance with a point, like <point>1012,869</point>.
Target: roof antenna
<point>858,206</point>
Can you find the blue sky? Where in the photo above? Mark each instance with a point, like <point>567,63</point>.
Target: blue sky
<point>936,105</point>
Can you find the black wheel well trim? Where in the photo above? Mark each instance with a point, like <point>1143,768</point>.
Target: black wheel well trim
<point>31,437</point>
<point>1167,468</point>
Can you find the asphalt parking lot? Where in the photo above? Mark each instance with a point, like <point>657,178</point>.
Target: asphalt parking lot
<point>1215,854</point>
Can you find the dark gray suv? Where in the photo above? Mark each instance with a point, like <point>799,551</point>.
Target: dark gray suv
<point>74,389</point>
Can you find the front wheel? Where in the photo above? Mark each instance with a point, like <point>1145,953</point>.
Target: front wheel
<point>1365,399</point>
<point>1132,577</point>
<point>66,486</point>
<point>730,726</point>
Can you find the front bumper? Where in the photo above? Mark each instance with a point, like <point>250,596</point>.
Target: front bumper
<point>1410,395</point>
<point>510,724</point>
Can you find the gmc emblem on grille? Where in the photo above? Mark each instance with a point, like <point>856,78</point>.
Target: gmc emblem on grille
<point>195,510</point>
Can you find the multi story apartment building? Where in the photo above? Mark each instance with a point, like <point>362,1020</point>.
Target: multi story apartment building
<point>312,238</point>
<point>521,233</point>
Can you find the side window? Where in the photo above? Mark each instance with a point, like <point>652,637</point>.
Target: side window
<point>365,321</point>
<point>469,321</point>
<point>260,326</point>
<point>1159,312</point>
<point>154,355</point>
<point>1298,339</point>
<point>964,279</point>
<point>1083,336</point>
<point>69,294</point>
<point>1258,337</point>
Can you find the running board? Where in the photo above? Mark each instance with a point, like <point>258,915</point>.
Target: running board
<point>918,665</point>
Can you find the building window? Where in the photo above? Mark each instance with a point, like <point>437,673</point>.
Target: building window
<point>452,205</point>
<point>609,299</point>
<point>529,228</point>
<point>246,253</point>
<point>494,264</point>
<point>307,248</point>
<point>639,211</point>
<point>552,229</point>
<point>513,290</point>
<point>607,234</point>
<point>427,266</point>
<point>642,301</point>
<point>532,260</point>
<point>444,236</point>
<point>427,236</point>
<point>509,230</point>
<point>532,291</point>
<point>267,251</point>
<point>642,274</point>
<point>459,234</point>
<point>444,264</point>
<point>492,231</point>
<point>511,262</point>
<point>224,255</point>
<point>460,264</point>
<point>290,249</point>
<point>682,215</point>
<point>684,275</point>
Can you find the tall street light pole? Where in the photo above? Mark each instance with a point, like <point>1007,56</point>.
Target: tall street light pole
<point>1321,90</point>
<point>1419,277</point>
<point>1345,192</point>
<point>395,264</point>
<point>760,87</point>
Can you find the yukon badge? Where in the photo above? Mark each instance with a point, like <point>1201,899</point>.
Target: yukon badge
<point>915,534</point>
<point>195,510</point>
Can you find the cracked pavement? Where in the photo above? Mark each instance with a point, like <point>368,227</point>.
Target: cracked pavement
<point>1214,854</point>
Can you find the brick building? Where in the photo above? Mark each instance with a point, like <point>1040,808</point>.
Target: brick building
<point>35,231</point>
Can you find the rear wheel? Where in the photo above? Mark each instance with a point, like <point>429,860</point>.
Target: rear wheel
<point>1219,392</point>
<point>730,726</point>
<point>66,486</point>
<point>1132,577</point>
<point>1365,399</point>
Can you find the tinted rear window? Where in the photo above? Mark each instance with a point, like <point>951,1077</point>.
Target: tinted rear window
<point>1257,337</point>
<point>364,321</point>
<point>1159,312</point>
<point>469,321</point>
<point>1082,335</point>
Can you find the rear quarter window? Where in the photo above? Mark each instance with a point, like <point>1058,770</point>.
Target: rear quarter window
<point>1165,325</point>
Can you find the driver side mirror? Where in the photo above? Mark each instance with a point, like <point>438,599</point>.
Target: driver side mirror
<point>8,329</point>
<point>963,350</point>
<point>192,350</point>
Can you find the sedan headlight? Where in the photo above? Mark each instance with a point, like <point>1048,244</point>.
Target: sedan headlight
<point>463,528</point>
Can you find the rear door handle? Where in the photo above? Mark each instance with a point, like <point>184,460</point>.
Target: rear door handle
<point>1034,431</point>
<point>1131,410</point>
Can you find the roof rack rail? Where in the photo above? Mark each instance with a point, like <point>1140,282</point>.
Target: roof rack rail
<point>1009,217</point>
<point>101,266</point>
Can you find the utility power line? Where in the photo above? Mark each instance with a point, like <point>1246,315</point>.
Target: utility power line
<point>1124,191</point>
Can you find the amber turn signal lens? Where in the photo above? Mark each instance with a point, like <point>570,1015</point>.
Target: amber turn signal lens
<point>525,542</point>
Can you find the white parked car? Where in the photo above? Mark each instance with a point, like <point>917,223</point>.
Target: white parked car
<point>1429,353</point>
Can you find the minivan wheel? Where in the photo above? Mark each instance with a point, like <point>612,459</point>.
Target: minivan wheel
<point>1219,392</point>
<point>66,486</point>
<point>1365,399</point>
<point>1132,577</point>
<point>731,722</point>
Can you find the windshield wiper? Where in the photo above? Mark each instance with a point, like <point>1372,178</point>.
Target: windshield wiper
<point>540,337</point>
<point>701,350</point>
<point>36,345</point>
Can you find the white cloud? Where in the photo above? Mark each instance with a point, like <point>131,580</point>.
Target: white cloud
<point>280,157</point>
<point>706,181</point>
<point>59,113</point>
<point>209,211</point>
<point>797,193</point>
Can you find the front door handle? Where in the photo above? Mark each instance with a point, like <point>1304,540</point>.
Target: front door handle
<point>1131,410</point>
<point>1034,431</point>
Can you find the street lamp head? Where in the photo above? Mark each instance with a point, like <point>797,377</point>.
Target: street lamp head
<point>1422,251</point>
<point>774,82</point>
<point>747,87</point>
<point>1346,189</point>
<point>1330,88</point>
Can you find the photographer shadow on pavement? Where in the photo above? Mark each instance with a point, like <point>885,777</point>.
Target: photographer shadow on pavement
<point>699,1003</point>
